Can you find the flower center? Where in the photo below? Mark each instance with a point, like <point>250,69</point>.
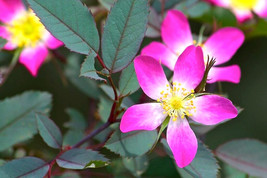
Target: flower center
<point>26,30</point>
<point>177,101</point>
<point>244,4</point>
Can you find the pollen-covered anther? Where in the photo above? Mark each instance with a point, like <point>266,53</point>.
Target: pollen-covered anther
<point>177,101</point>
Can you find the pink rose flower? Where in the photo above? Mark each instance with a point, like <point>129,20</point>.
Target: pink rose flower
<point>243,8</point>
<point>177,101</point>
<point>22,28</point>
<point>176,34</point>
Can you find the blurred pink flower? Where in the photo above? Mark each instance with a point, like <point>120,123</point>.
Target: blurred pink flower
<point>176,34</point>
<point>243,8</point>
<point>177,101</point>
<point>22,28</point>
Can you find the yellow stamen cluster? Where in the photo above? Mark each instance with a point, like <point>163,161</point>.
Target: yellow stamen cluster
<point>244,4</point>
<point>177,101</point>
<point>26,30</point>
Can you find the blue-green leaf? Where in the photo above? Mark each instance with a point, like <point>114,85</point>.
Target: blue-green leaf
<point>154,24</point>
<point>79,158</point>
<point>24,167</point>
<point>123,33</point>
<point>77,120</point>
<point>17,115</point>
<point>106,3</point>
<point>69,21</point>
<point>2,42</point>
<point>88,87</point>
<point>131,144</point>
<point>137,166</point>
<point>247,155</point>
<point>88,68</point>
<point>203,165</point>
<point>128,83</point>
<point>49,131</point>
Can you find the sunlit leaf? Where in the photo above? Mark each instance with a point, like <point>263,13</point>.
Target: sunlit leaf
<point>79,158</point>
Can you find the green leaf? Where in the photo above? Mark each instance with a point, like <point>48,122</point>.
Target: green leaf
<point>247,155</point>
<point>137,166</point>
<point>79,158</point>
<point>69,174</point>
<point>131,144</point>
<point>203,165</point>
<point>128,83</point>
<point>69,21</point>
<point>77,120</point>
<point>2,42</point>
<point>157,4</point>
<point>193,8</point>
<point>259,29</point>
<point>154,24</point>
<point>123,33</point>
<point>88,68</point>
<point>88,87</point>
<point>96,164</point>
<point>104,108</point>
<point>24,167</point>
<point>72,136</point>
<point>49,131</point>
<point>17,115</point>
<point>230,172</point>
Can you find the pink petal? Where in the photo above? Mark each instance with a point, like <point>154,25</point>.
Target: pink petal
<point>223,44</point>
<point>182,142</point>
<point>161,53</point>
<point>4,34</point>
<point>150,75</point>
<point>9,9</point>
<point>225,74</point>
<point>189,68</point>
<point>32,58</point>
<point>175,31</point>
<point>52,42</point>
<point>222,3</point>
<point>142,117</point>
<point>212,109</point>
<point>261,8</point>
<point>242,15</point>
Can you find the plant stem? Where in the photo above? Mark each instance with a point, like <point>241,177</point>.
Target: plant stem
<point>13,63</point>
<point>92,134</point>
<point>101,61</point>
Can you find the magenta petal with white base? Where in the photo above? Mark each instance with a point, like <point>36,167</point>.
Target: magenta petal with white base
<point>142,117</point>
<point>189,68</point>
<point>9,9</point>
<point>225,74</point>
<point>161,53</point>
<point>213,109</point>
<point>32,58</point>
<point>175,31</point>
<point>150,75</point>
<point>223,44</point>
<point>182,142</point>
<point>261,8</point>
<point>52,42</point>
